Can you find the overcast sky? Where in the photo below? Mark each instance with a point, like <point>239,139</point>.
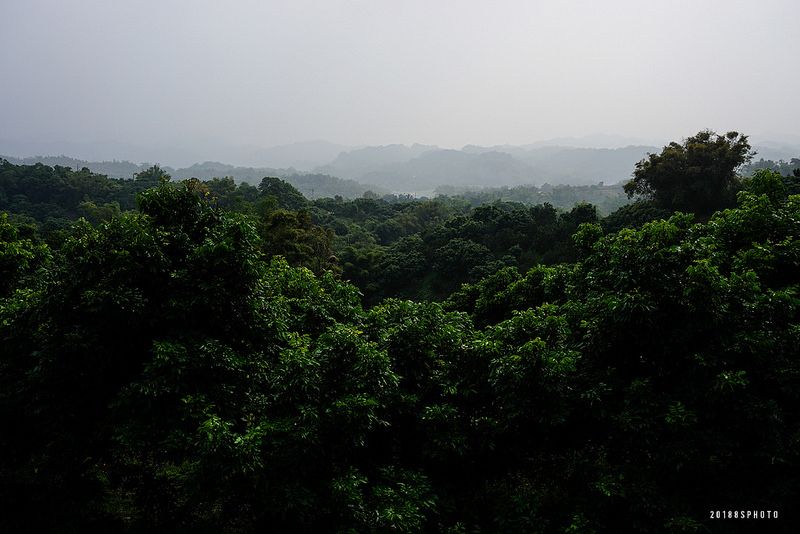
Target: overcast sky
<point>204,73</point>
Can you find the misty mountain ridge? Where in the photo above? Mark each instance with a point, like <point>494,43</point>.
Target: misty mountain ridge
<point>452,167</point>
<point>417,168</point>
<point>426,167</point>
<point>304,155</point>
<point>362,161</point>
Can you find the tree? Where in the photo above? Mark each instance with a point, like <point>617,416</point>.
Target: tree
<point>19,257</point>
<point>697,176</point>
<point>633,216</point>
<point>294,236</point>
<point>287,196</point>
<point>152,176</point>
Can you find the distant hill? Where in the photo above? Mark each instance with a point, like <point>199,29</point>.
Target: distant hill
<point>418,167</point>
<point>453,167</point>
<point>586,165</point>
<point>215,169</point>
<point>363,161</point>
<point>304,156</point>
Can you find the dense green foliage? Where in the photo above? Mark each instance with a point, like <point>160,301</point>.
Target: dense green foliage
<point>54,196</point>
<point>161,373</point>
<point>426,250</point>
<point>698,175</point>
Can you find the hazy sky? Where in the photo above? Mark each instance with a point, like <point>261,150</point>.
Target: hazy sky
<point>199,73</point>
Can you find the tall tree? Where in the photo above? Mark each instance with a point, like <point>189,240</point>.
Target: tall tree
<point>697,176</point>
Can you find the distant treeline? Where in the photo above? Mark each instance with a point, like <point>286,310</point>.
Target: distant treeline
<point>607,198</point>
<point>311,185</point>
<point>780,166</point>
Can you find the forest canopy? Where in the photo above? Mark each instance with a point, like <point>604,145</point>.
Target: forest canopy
<point>226,357</point>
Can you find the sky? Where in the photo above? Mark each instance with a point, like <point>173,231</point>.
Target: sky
<point>191,77</point>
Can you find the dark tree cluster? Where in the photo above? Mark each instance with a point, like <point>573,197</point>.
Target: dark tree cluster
<point>696,176</point>
<point>425,249</point>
